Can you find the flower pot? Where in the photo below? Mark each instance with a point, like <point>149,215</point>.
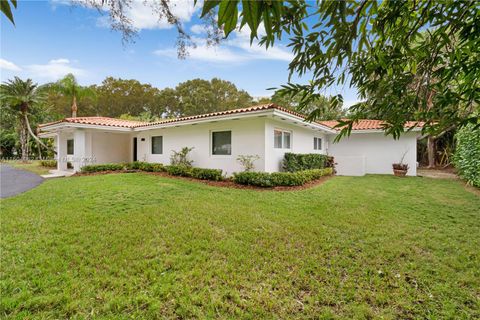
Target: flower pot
<point>400,172</point>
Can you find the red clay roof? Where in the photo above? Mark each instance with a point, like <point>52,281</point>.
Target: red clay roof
<point>228,112</point>
<point>102,121</point>
<point>367,124</point>
<point>112,122</point>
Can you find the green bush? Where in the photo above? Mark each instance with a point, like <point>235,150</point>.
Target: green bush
<point>182,171</point>
<point>467,154</point>
<point>207,174</point>
<point>103,167</point>
<point>48,163</point>
<point>293,162</point>
<point>145,166</point>
<point>264,179</point>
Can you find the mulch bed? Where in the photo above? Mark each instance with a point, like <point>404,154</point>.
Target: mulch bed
<point>222,184</point>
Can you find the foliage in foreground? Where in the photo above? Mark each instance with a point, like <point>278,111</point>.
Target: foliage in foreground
<point>467,154</point>
<point>148,247</point>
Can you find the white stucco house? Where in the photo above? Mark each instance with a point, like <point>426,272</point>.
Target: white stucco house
<point>268,131</point>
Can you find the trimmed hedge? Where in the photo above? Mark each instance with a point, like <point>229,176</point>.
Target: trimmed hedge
<point>183,171</point>
<point>207,174</point>
<point>264,179</point>
<point>145,166</point>
<point>103,167</point>
<point>467,154</point>
<point>293,162</point>
<point>48,163</point>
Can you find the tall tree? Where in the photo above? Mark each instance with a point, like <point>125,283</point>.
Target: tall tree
<point>119,96</point>
<point>199,96</point>
<point>22,96</point>
<point>70,89</point>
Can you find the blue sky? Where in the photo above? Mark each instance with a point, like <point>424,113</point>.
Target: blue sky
<point>52,38</point>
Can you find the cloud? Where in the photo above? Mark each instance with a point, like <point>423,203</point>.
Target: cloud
<point>144,14</point>
<point>7,65</point>
<point>54,69</point>
<point>236,49</point>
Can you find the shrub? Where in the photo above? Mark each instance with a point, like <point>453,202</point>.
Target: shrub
<point>145,166</point>
<point>103,167</point>
<point>264,179</point>
<point>297,161</point>
<point>48,163</point>
<point>207,174</point>
<point>467,154</point>
<point>260,179</point>
<point>180,158</point>
<point>248,161</point>
<point>182,171</point>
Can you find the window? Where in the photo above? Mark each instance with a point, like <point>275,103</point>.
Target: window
<point>317,143</point>
<point>222,143</point>
<point>70,147</point>
<point>282,139</point>
<point>157,145</point>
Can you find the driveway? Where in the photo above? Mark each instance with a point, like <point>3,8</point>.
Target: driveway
<point>14,181</point>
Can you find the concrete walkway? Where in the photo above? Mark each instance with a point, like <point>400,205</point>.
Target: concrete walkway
<point>14,181</point>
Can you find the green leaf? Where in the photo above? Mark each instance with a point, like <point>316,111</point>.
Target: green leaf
<point>6,10</point>
<point>251,16</point>
<point>228,16</point>
<point>208,5</point>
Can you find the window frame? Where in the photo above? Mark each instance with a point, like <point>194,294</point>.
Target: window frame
<point>151,144</point>
<point>211,143</point>
<point>283,131</point>
<point>315,143</point>
<point>73,147</point>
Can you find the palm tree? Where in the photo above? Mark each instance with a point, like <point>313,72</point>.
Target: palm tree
<point>69,87</point>
<point>22,96</point>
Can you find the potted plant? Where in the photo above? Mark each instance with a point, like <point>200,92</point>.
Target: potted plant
<point>400,169</point>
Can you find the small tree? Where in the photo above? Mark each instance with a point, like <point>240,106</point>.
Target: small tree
<point>248,162</point>
<point>180,158</point>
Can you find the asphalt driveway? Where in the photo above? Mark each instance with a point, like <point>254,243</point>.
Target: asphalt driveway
<point>14,181</point>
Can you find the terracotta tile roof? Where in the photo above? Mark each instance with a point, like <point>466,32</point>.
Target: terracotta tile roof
<point>367,124</point>
<point>102,121</point>
<point>112,122</point>
<point>228,112</point>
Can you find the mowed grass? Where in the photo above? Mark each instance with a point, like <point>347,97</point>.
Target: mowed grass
<point>143,246</point>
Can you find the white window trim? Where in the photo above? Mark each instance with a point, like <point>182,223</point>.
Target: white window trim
<point>323,142</point>
<point>151,144</point>
<point>210,147</point>
<point>283,131</point>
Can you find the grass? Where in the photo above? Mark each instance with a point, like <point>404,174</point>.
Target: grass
<point>142,246</point>
<point>32,166</point>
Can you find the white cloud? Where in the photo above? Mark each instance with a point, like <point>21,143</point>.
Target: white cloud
<point>236,49</point>
<point>54,69</point>
<point>7,65</point>
<point>144,14</point>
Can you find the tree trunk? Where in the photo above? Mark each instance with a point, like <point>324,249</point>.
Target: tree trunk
<point>39,151</point>
<point>33,135</point>
<point>23,135</point>
<point>431,151</point>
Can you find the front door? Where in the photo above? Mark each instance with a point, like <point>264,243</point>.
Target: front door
<point>134,149</point>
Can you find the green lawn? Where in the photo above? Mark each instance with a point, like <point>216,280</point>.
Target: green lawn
<point>32,166</point>
<point>144,246</point>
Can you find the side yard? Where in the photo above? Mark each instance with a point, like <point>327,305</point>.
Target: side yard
<point>146,246</point>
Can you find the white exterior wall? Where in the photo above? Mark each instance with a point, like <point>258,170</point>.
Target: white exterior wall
<point>247,139</point>
<point>301,142</point>
<point>364,153</point>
